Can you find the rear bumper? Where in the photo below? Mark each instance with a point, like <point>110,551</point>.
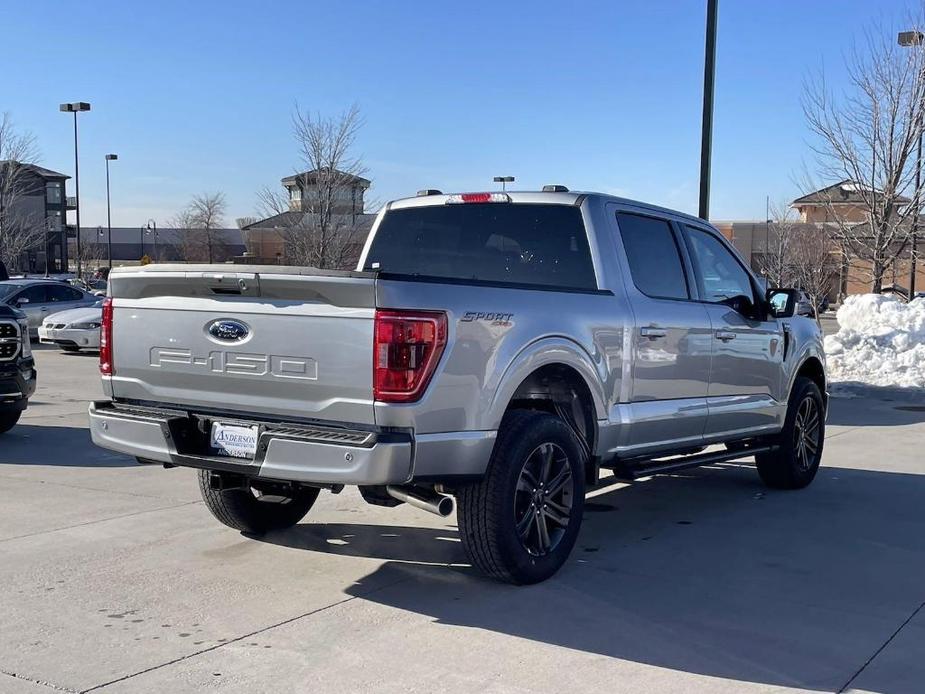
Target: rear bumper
<point>291,452</point>
<point>17,384</point>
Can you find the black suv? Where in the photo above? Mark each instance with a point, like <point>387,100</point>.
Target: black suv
<point>17,367</point>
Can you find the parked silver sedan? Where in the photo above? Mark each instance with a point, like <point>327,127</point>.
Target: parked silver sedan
<point>38,298</point>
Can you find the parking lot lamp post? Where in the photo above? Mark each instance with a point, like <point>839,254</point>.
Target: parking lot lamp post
<point>75,108</point>
<point>911,39</point>
<point>141,236</point>
<point>503,180</point>
<point>706,133</point>
<point>152,229</point>
<point>109,158</point>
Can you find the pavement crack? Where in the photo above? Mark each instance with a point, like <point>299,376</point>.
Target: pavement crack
<point>880,650</point>
<point>284,622</point>
<point>100,520</point>
<point>42,683</point>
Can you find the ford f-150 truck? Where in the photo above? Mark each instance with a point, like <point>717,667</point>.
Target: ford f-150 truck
<point>496,349</point>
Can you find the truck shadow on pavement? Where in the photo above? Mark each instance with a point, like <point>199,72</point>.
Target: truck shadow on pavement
<point>706,572</point>
<point>27,444</point>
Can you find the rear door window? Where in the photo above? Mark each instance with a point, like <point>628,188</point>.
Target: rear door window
<point>653,255</point>
<point>526,244</point>
<point>64,293</point>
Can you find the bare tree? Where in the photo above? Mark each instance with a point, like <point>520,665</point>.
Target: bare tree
<point>815,262</point>
<point>866,137</point>
<point>200,224</point>
<point>93,254</point>
<point>21,227</point>
<point>322,228</point>
<point>775,258</point>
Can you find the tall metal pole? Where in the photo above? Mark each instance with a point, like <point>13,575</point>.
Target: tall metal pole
<point>706,135</point>
<point>108,218</point>
<point>76,193</point>
<point>152,225</point>
<point>915,219</point>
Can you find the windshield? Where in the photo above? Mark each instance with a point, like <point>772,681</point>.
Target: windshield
<point>7,288</point>
<point>530,244</point>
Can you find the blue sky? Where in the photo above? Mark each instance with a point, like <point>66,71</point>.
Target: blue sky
<point>197,96</point>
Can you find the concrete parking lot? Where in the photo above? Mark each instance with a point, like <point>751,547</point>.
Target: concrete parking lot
<point>116,578</point>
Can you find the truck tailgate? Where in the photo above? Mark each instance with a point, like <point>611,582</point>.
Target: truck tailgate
<point>278,342</point>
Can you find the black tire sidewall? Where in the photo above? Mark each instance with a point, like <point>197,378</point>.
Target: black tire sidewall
<point>543,428</point>
<point>8,420</point>
<point>781,468</point>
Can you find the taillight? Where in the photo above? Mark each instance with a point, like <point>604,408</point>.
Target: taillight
<point>406,348</point>
<point>106,338</point>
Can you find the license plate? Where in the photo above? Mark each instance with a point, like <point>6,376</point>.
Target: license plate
<point>234,440</point>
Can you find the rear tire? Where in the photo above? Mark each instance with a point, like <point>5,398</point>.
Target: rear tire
<point>8,420</point>
<point>520,521</point>
<point>242,510</point>
<point>795,460</point>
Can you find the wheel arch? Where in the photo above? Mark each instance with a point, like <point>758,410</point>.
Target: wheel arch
<point>557,377</point>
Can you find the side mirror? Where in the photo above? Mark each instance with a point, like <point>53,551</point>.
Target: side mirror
<point>22,300</point>
<point>782,303</point>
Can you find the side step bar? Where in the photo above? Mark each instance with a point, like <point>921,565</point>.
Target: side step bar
<point>633,469</point>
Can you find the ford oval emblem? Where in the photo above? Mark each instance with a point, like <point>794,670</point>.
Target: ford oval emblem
<point>228,330</point>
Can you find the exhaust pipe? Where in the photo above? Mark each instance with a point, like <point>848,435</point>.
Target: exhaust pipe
<point>424,499</point>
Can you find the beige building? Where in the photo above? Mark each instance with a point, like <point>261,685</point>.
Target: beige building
<point>838,202</point>
<point>266,239</point>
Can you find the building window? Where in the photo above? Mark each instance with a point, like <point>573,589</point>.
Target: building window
<point>54,220</point>
<point>53,193</point>
<point>295,193</point>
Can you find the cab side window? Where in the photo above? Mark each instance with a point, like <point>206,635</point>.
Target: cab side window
<point>653,255</point>
<point>35,295</point>
<point>721,276</point>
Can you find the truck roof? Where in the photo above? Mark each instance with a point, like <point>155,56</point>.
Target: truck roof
<point>571,197</point>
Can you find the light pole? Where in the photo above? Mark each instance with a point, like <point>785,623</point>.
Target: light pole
<point>109,158</point>
<point>908,39</point>
<point>99,235</point>
<point>152,225</point>
<point>706,133</point>
<point>75,108</point>
<point>503,180</point>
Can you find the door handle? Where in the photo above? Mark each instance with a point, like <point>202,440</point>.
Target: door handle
<point>653,333</point>
<point>725,335</point>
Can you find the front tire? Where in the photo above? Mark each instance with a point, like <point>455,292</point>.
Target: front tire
<point>8,420</point>
<point>795,460</point>
<point>69,348</point>
<point>243,510</point>
<point>520,522</point>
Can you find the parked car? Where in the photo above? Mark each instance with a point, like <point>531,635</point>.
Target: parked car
<point>94,285</point>
<point>499,348</point>
<point>38,298</point>
<point>73,330</point>
<point>17,367</point>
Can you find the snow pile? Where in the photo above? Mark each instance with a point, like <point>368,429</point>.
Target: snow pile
<point>880,342</point>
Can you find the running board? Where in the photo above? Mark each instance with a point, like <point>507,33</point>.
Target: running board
<point>633,469</point>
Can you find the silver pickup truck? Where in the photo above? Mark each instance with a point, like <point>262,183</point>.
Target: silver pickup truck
<point>498,349</point>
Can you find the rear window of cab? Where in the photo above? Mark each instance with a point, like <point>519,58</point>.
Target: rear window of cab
<point>539,245</point>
